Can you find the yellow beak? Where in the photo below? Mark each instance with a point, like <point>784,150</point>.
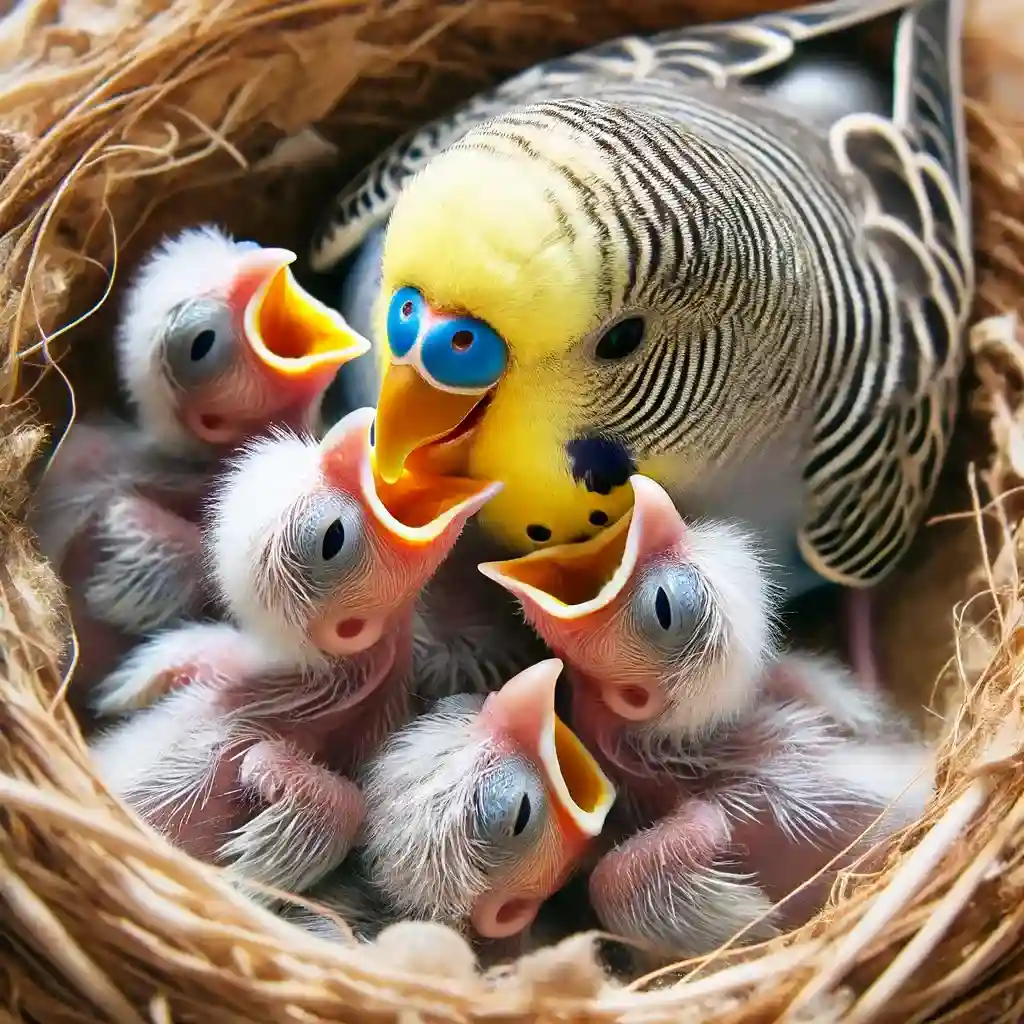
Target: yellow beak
<point>410,414</point>
<point>294,334</point>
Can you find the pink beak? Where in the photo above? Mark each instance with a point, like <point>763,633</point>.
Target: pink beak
<point>522,713</point>
<point>292,334</point>
<point>418,518</point>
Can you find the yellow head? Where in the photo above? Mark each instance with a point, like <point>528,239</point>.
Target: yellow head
<point>494,277</point>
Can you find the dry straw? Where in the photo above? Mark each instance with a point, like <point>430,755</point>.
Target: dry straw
<point>121,118</point>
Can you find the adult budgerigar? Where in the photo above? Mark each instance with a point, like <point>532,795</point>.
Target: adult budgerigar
<point>626,261</point>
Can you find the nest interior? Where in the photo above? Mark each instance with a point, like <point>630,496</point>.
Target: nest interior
<point>120,121</point>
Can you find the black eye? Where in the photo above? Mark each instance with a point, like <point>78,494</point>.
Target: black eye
<point>201,345</point>
<point>523,817</point>
<point>662,608</point>
<point>621,340</point>
<point>334,540</point>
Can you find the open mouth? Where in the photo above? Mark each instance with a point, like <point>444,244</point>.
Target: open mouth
<point>524,710</point>
<point>292,332</point>
<point>571,579</point>
<point>420,505</point>
<point>418,421</point>
<point>465,427</point>
<point>583,792</point>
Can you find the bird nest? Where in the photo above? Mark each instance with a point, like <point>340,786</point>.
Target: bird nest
<point>121,120</point>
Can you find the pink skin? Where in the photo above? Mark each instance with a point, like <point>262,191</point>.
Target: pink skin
<point>722,823</point>
<point>150,546</point>
<point>308,753</point>
<point>157,522</point>
<point>252,392</point>
<point>860,634</point>
<point>713,766</point>
<point>248,734</point>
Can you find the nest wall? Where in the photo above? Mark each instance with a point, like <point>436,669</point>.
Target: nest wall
<point>120,120</point>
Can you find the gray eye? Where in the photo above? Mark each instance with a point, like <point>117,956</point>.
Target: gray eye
<point>669,605</point>
<point>511,808</point>
<point>201,342</point>
<point>329,539</point>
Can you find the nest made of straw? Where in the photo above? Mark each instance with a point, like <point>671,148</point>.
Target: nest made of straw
<point>123,118</point>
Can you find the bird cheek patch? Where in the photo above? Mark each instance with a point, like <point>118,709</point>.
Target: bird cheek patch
<point>599,463</point>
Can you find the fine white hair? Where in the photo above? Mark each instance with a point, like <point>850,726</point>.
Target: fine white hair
<point>740,629</point>
<point>198,261</point>
<point>251,503</point>
<point>421,792</point>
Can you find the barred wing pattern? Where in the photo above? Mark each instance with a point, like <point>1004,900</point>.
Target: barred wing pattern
<point>717,53</point>
<point>879,446</point>
<point>894,248</point>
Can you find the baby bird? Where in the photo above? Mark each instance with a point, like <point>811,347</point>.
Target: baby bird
<point>656,617</point>
<point>107,481</point>
<point>217,341</point>
<point>744,775</point>
<point>247,760</point>
<point>479,810</point>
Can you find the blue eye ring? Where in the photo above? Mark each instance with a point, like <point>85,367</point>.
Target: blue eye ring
<point>464,352</point>
<point>405,314</point>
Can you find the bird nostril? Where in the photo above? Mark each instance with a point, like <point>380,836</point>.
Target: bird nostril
<point>512,911</point>
<point>635,697</point>
<point>462,340</point>
<point>211,421</point>
<point>348,629</point>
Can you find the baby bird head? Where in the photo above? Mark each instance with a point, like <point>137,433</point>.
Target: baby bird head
<point>480,809</point>
<point>217,340</point>
<point>311,550</point>
<point>668,625</point>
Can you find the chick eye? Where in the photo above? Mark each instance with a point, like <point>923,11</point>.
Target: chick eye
<point>334,540</point>
<point>523,816</point>
<point>510,808</point>
<point>663,609</point>
<point>199,343</point>
<point>621,339</point>
<point>669,606</point>
<point>327,540</point>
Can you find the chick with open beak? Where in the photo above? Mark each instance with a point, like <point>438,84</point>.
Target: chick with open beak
<point>659,621</point>
<point>248,759</point>
<point>744,775</point>
<point>218,339</point>
<point>480,809</point>
<point>216,342</point>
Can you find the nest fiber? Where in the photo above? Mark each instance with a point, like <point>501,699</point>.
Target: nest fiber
<point>123,119</point>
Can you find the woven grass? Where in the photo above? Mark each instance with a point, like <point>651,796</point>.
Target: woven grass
<point>121,119</point>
